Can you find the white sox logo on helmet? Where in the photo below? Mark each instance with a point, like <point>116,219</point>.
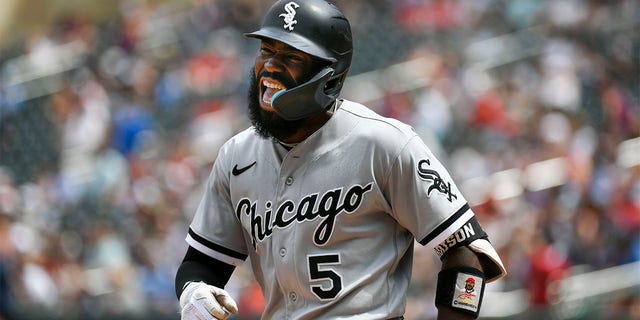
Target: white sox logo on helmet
<point>309,208</point>
<point>289,16</point>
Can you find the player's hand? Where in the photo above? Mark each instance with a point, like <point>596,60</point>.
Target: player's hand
<point>200,301</point>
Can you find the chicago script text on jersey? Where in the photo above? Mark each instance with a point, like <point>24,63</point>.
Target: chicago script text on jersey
<point>309,208</point>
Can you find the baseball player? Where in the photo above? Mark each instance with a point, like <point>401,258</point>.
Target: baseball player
<point>326,197</point>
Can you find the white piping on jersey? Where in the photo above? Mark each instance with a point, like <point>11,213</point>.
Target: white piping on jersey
<point>451,229</point>
<point>212,253</point>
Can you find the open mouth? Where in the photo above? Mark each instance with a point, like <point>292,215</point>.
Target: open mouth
<point>269,88</point>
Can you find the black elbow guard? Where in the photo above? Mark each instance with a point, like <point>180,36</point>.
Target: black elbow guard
<point>466,234</point>
<point>472,235</point>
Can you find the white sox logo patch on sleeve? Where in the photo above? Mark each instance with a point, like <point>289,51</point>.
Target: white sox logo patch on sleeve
<point>468,292</point>
<point>325,207</point>
<point>289,15</point>
<point>438,183</point>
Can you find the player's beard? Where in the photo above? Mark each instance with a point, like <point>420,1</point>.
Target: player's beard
<point>268,124</point>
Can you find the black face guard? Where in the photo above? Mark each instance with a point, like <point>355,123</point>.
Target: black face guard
<point>306,99</point>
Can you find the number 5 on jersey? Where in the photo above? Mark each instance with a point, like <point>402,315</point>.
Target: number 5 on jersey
<point>318,272</point>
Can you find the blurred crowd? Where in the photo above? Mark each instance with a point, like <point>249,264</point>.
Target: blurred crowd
<point>108,129</point>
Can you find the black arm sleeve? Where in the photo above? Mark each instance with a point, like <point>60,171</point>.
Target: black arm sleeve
<point>197,266</point>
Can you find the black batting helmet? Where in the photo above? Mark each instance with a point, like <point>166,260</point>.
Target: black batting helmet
<point>320,29</point>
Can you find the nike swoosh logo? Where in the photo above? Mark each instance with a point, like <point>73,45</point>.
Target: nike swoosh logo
<point>237,172</point>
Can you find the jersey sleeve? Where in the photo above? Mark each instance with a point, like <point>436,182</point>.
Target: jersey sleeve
<point>423,196</point>
<point>214,230</point>
<point>426,201</point>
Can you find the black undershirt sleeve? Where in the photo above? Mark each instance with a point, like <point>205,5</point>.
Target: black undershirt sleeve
<point>197,266</point>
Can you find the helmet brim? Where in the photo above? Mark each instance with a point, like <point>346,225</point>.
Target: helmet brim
<point>292,39</point>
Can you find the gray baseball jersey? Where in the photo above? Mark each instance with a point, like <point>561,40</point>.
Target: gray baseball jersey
<point>330,225</point>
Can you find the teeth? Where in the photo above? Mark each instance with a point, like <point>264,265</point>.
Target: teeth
<point>272,85</point>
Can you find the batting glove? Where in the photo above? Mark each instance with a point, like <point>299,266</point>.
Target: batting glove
<point>200,301</point>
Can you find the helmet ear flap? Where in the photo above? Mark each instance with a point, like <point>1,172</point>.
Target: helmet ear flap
<point>334,85</point>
